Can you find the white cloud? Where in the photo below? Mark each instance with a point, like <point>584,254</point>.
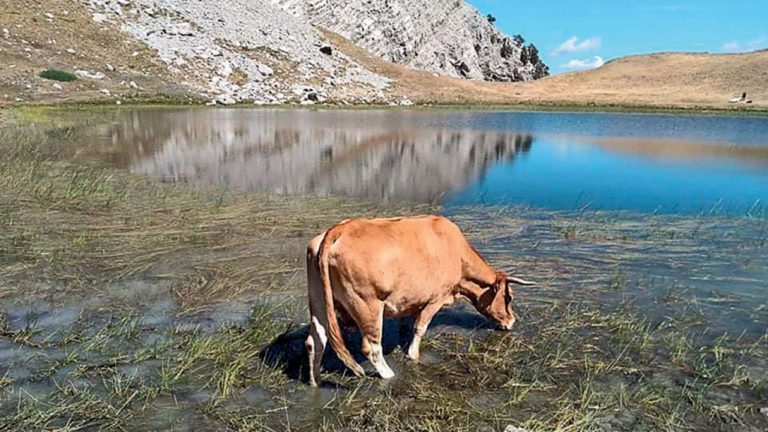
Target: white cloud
<point>573,45</point>
<point>577,64</point>
<point>752,45</point>
<point>732,46</point>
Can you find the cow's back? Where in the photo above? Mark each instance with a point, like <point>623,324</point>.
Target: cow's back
<point>405,260</point>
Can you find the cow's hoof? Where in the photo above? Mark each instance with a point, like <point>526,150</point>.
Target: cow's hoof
<point>387,374</point>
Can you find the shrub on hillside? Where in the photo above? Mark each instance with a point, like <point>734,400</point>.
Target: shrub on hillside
<point>57,75</point>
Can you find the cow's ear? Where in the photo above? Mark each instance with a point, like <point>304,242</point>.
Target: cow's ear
<point>501,283</point>
<point>509,291</point>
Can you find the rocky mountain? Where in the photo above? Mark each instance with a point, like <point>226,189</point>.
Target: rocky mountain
<point>260,51</point>
<point>448,37</point>
<point>237,50</point>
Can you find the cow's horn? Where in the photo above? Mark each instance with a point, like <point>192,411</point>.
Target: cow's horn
<point>520,281</point>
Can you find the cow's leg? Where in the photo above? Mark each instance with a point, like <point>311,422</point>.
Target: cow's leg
<point>371,326</point>
<point>317,339</point>
<point>315,343</point>
<point>423,318</point>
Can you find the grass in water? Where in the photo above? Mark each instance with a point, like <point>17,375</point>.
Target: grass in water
<point>135,305</point>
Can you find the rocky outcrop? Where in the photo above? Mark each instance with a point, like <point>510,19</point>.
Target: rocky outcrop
<point>238,50</point>
<point>260,51</point>
<point>448,37</point>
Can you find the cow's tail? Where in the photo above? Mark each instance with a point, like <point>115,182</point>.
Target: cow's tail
<point>334,332</point>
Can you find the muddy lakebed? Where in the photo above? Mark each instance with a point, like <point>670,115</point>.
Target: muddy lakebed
<point>152,268</point>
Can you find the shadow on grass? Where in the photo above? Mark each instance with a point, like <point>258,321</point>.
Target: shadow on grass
<point>288,353</point>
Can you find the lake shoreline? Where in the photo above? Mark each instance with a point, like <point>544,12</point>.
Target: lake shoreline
<point>172,102</point>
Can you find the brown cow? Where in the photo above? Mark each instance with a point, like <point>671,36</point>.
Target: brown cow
<point>367,270</point>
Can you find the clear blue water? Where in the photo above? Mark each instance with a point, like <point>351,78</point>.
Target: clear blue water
<point>669,164</point>
<point>580,174</point>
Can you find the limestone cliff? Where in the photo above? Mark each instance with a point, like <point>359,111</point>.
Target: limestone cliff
<point>448,37</point>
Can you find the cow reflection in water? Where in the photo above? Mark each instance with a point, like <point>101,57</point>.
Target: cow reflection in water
<point>312,153</point>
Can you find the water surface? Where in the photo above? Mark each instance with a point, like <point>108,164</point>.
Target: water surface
<point>670,164</point>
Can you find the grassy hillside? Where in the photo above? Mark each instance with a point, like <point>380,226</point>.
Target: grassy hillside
<point>679,79</point>
<point>62,35</point>
<point>661,80</point>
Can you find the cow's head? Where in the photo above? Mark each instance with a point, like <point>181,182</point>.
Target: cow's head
<point>496,302</point>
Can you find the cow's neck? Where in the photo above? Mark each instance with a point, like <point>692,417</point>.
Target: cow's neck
<point>477,270</point>
<point>473,293</point>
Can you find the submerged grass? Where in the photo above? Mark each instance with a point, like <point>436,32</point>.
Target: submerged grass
<point>135,305</point>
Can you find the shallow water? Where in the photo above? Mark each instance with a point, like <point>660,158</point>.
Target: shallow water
<point>689,247</point>
<point>670,164</point>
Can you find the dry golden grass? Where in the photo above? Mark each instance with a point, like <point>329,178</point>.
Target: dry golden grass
<point>682,80</point>
<point>675,79</point>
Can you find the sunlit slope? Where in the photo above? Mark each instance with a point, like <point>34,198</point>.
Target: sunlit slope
<point>660,80</point>
<point>680,79</point>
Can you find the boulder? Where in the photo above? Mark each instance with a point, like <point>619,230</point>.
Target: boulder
<point>226,100</point>
<point>90,75</point>
<point>181,29</point>
<point>264,69</point>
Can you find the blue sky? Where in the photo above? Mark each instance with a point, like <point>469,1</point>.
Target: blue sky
<point>575,35</point>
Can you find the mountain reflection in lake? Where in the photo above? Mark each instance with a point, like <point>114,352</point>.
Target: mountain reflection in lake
<point>564,161</point>
<point>300,152</point>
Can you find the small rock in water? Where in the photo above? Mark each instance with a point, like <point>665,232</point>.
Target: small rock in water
<point>71,51</point>
<point>105,91</point>
<point>133,85</point>
<point>49,16</point>
<point>56,86</point>
<point>118,103</point>
<point>6,33</point>
<point>764,411</point>
<point>110,67</point>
